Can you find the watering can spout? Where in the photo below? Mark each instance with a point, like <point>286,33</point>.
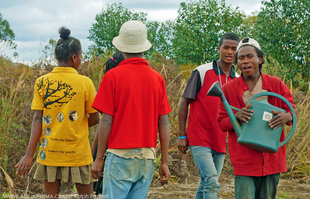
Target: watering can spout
<point>216,90</point>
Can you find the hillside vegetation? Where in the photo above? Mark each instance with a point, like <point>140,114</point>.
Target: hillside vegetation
<point>17,81</point>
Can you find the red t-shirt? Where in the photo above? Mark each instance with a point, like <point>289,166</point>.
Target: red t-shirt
<point>203,129</point>
<point>135,95</point>
<point>246,161</point>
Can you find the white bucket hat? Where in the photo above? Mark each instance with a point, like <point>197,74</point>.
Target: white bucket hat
<point>132,38</point>
<point>248,41</point>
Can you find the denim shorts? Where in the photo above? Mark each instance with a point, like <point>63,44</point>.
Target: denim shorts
<point>128,178</point>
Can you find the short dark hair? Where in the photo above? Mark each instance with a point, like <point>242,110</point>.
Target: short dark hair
<point>66,46</point>
<point>261,55</point>
<point>113,61</point>
<point>229,35</point>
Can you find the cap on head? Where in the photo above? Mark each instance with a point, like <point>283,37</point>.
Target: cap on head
<point>132,38</point>
<point>248,42</point>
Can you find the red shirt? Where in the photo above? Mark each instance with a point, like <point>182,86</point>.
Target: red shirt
<point>135,95</point>
<point>246,161</point>
<point>203,129</point>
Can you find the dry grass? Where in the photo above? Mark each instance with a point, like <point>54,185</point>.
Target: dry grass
<point>298,148</point>
<point>15,120</point>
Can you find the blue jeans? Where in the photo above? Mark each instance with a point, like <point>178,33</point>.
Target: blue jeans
<point>262,187</point>
<point>210,165</point>
<point>126,178</point>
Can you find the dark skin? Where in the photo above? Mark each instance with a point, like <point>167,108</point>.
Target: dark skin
<point>104,130</point>
<point>24,165</point>
<point>248,63</point>
<point>227,53</point>
<point>182,115</point>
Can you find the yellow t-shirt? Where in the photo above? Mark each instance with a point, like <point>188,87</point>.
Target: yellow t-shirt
<point>65,98</point>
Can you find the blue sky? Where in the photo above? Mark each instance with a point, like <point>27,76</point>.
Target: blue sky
<point>34,22</point>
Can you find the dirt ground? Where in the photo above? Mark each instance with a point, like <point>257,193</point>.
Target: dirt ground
<point>287,189</point>
<point>188,177</point>
<point>186,180</point>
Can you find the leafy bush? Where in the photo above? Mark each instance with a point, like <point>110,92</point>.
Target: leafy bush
<point>283,31</point>
<point>198,28</point>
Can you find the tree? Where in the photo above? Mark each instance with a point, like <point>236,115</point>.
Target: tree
<point>6,34</point>
<point>108,23</point>
<point>198,28</point>
<point>247,26</point>
<point>160,35</point>
<point>282,28</point>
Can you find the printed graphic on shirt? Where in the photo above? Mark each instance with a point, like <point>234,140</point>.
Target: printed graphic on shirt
<point>60,117</point>
<point>47,120</point>
<point>54,93</point>
<point>44,143</point>
<point>73,116</point>
<point>47,131</point>
<point>42,155</point>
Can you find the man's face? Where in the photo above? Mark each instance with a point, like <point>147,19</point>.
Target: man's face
<point>228,50</point>
<point>248,61</point>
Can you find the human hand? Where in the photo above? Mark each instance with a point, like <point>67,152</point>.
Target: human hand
<point>24,165</point>
<point>244,114</point>
<point>183,145</point>
<point>96,169</point>
<point>280,119</point>
<point>164,174</point>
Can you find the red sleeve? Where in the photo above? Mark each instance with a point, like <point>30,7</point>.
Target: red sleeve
<point>222,117</point>
<point>164,104</point>
<point>104,100</point>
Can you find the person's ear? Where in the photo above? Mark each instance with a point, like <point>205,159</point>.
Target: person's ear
<point>219,48</point>
<point>260,60</point>
<point>73,58</point>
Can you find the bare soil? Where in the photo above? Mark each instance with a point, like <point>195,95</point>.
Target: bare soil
<point>188,181</point>
<point>287,189</point>
<point>184,183</point>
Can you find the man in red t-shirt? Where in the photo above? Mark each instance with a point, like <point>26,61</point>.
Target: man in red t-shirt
<point>206,141</point>
<point>256,173</point>
<point>134,105</point>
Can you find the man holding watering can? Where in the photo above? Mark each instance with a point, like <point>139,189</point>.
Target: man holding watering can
<point>203,136</point>
<point>256,172</point>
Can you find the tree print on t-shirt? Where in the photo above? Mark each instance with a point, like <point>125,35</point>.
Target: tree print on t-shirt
<point>54,92</point>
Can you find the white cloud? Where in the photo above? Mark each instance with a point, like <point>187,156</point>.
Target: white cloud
<point>161,15</point>
<point>31,49</point>
<point>34,22</point>
<point>245,5</point>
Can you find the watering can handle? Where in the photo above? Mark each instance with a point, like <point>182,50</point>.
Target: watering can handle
<point>291,109</point>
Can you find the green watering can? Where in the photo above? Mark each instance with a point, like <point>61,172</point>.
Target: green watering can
<point>257,134</point>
